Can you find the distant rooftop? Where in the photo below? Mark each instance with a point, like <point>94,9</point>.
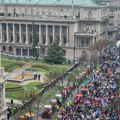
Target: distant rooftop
<point>82,3</point>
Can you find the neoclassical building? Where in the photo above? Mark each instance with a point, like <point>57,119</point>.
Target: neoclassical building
<point>75,25</point>
<point>3,112</point>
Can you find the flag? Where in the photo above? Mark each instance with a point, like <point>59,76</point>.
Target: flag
<point>72,4</point>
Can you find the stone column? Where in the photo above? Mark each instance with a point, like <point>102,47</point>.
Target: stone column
<point>46,34</point>
<point>40,34</point>
<point>79,42</point>
<point>60,35</point>
<point>53,33</point>
<point>7,32</point>
<point>26,34</point>
<point>21,52</point>
<point>1,31</point>
<point>13,33</point>
<point>92,41</point>
<point>67,42</point>
<point>20,34</point>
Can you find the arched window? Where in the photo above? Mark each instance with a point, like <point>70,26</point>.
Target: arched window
<point>42,51</point>
<point>64,52</point>
<point>10,49</point>
<point>84,53</point>
<point>4,48</point>
<point>90,14</point>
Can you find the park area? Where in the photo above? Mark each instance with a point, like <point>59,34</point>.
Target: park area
<point>16,91</point>
<point>46,70</point>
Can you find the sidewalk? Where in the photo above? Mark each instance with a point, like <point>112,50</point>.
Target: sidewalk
<point>19,102</point>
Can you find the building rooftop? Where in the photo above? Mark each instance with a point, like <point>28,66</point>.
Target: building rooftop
<point>82,3</point>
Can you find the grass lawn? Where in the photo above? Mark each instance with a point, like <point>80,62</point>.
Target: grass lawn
<point>13,94</point>
<point>35,84</point>
<point>37,69</point>
<point>46,67</point>
<point>5,63</point>
<point>9,85</point>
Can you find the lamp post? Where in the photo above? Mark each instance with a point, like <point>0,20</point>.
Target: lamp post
<point>74,51</point>
<point>38,53</point>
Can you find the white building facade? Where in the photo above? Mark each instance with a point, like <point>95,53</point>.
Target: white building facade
<point>76,27</point>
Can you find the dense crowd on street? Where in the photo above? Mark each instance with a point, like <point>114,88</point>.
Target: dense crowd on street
<point>98,98</point>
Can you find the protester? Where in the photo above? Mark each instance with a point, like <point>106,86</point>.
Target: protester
<point>98,92</point>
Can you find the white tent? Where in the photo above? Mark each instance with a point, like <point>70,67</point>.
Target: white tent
<point>118,44</point>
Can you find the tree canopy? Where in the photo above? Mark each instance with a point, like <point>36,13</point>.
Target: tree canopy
<point>55,54</point>
<point>100,45</point>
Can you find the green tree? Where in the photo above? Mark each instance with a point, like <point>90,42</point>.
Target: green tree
<point>35,42</point>
<point>29,93</point>
<point>55,54</point>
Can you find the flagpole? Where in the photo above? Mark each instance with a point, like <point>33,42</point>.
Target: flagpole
<point>72,7</point>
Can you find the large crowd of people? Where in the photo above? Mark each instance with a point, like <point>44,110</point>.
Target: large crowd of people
<point>99,97</point>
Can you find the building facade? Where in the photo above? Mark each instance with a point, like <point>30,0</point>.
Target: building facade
<point>114,20</point>
<point>76,26</point>
<point>3,113</point>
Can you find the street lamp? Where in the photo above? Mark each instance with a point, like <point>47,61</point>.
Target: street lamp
<point>74,51</point>
<point>38,53</point>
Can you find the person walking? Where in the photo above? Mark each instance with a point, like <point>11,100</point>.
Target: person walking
<point>39,75</point>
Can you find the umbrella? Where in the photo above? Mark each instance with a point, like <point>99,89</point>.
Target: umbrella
<point>21,116</point>
<point>84,89</point>
<point>79,95</point>
<point>30,115</point>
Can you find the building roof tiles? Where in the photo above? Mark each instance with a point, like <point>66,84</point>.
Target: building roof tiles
<point>82,3</point>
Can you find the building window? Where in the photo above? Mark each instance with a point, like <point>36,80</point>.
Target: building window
<point>57,30</point>
<point>89,28</point>
<point>11,38</point>
<point>64,52</point>
<point>57,38</point>
<point>50,30</point>
<point>5,38</point>
<point>10,49</point>
<point>87,42</point>
<point>4,48</point>
<point>90,14</point>
<point>30,39</point>
<point>17,38</point>
<point>50,39</point>
<point>42,51</point>
<point>64,40</point>
<point>82,43</point>
<point>24,39</point>
<point>43,39</point>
